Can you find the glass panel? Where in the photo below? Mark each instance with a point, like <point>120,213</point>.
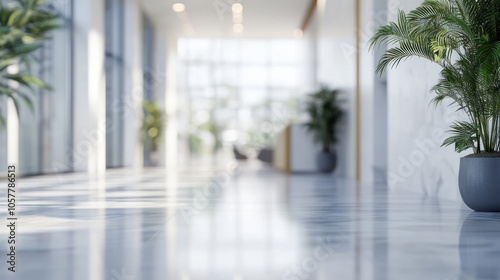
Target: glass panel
<point>230,50</point>
<point>284,76</point>
<point>226,74</point>
<point>254,76</point>
<point>45,134</point>
<point>235,89</point>
<point>254,97</point>
<point>255,52</point>
<point>149,83</point>
<point>199,75</point>
<point>148,59</point>
<point>114,82</point>
<point>285,52</point>
<point>198,49</point>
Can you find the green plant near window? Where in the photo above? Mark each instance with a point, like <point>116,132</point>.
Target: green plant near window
<point>24,25</point>
<point>153,124</point>
<point>324,111</point>
<point>213,129</point>
<point>463,37</point>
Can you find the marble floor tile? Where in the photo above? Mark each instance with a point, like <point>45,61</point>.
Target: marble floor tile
<point>244,224</point>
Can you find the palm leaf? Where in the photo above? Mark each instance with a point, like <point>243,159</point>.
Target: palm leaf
<point>463,135</point>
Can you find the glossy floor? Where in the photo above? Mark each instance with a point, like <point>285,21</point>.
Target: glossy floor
<point>253,223</point>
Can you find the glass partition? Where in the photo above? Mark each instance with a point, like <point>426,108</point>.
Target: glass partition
<point>150,157</point>
<point>45,140</point>
<point>114,82</point>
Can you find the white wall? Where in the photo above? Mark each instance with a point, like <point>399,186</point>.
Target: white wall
<point>417,129</point>
<point>373,93</point>
<point>333,34</point>
<point>310,50</point>
<point>336,69</point>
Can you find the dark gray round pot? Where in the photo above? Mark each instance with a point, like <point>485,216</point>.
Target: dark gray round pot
<point>479,182</point>
<point>326,162</point>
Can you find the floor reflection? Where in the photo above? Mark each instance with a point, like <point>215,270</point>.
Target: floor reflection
<point>257,224</point>
<point>480,246</point>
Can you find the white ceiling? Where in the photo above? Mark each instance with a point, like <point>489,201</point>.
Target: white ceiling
<point>213,18</point>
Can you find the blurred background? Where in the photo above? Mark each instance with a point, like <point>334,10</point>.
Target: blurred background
<point>162,83</point>
<point>150,101</point>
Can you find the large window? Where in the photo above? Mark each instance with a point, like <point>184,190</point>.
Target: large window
<point>114,82</point>
<point>148,59</point>
<point>45,134</point>
<point>238,91</point>
<point>148,79</point>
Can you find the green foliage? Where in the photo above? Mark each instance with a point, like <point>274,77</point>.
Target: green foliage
<point>196,141</point>
<point>24,25</point>
<point>324,112</point>
<point>463,37</point>
<point>153,124</point>
<point>214,130</point>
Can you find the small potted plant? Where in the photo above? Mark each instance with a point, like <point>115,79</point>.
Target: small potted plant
<point>463,38</point>
<point>324,113</point>
<point>153,124</point>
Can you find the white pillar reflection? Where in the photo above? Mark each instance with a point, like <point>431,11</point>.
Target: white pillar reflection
<point>97,245</point>
<point>171,186</point>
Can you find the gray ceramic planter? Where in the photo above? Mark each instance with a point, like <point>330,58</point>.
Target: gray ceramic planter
<point>326,162</point>
<point>479,182</point>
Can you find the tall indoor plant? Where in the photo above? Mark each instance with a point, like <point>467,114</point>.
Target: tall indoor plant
<point>24,25</point>
<point>463,38</point>
<point>324,113</point>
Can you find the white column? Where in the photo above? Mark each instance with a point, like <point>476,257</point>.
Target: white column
<point>171,131</point>
<point>368,148</point>
<point>90,88</point>
<point>12,120</point>
<point>133,113</point>
<point>12,135</point>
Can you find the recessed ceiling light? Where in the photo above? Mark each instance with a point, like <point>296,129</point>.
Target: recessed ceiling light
<point>238,18</point>
<point>178,7</point>
<point>237,8</point>
<point>238,28</point>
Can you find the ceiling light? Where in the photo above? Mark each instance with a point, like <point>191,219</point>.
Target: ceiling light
<point>237,18</point>
<point>298,33</point>
<point>237,8</point>
<point>178,7</point>
<point>238,28</point>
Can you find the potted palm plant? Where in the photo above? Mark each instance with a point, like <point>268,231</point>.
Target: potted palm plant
<point>463,38</point>
<point>24,25</point>
<point>324,113</point>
